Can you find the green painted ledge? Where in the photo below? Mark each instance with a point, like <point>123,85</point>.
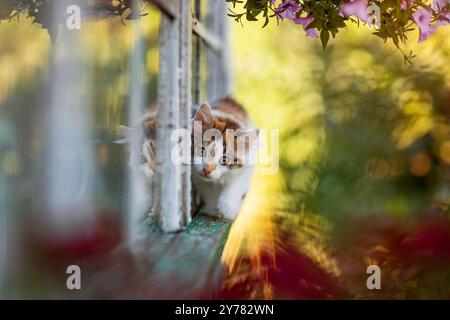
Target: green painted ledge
<point>184,265</point>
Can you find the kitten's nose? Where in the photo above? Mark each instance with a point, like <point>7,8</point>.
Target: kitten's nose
<point>208,169</point>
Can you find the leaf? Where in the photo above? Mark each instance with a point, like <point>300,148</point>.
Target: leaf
<point>314,24</point>
<point>266,22</point>
<point>6,8</point>
<point>324,37</point>
<point>255,12</point>
<point>250,17</point>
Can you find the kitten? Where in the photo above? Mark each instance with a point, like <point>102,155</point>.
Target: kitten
<point>140,142</point>
<point>223,165</point>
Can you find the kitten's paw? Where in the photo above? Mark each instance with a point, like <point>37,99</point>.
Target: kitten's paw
<point>228,210</point>
<point>152,211</point>
<point>210,211</point>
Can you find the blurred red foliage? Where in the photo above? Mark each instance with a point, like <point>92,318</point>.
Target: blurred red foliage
<point>413,254</point>
<point>96,237</point>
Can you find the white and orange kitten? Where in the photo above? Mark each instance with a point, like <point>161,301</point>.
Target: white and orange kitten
<point>140,142</point>
<point>223,165</point>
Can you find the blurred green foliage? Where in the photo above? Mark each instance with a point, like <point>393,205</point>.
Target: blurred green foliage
<point>381,150</point>
<point>360,132</point>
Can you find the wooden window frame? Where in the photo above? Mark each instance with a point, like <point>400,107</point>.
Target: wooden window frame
<point>178,23</point>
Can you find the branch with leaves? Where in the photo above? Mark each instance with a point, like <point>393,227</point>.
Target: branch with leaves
<point>319,18</point>
<point>42,11</point>
<point>325,18</point>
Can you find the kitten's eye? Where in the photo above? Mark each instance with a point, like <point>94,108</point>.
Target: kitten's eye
<point>142,159</point>
<point>225,160</point>
<point>202,151</point>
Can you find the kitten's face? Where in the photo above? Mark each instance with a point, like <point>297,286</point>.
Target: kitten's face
<point>210,160</point>
<point>221,154</point>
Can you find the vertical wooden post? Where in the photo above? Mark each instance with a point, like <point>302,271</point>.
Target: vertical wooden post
<point>197,56</point>
<point>137,188</point>
<point>219,75</point>
<point>69,165</point>
<point>185,65</point>
<point>172,190</point>
<point>5,246</point>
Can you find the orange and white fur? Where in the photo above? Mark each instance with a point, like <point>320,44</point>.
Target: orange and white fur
<point>140,142</point>
<point>219,173</point>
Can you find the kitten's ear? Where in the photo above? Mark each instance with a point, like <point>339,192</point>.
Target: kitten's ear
<point>125,133</point>
<point>204,114</point>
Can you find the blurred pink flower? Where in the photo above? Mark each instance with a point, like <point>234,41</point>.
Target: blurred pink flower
<point>356,8</point>
<point>305,22</point>
<point>287,9</point>
<point>440,7</point>
<point>422,17</point>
